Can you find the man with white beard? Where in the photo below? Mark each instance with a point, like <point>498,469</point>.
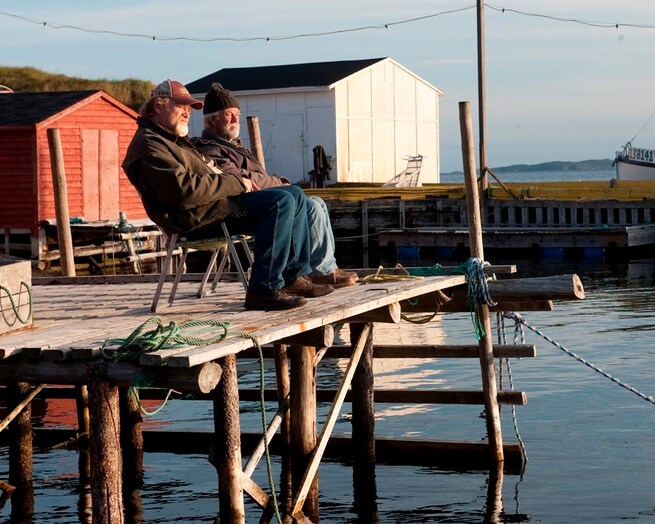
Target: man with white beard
<point>185,192</point>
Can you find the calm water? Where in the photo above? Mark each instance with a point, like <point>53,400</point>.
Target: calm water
<point>589,442</point>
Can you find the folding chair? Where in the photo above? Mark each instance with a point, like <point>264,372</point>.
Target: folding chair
<point>218,246</point>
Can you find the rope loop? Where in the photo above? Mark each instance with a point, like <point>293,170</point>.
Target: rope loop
<point>15,308</point>
<point>171,336</point>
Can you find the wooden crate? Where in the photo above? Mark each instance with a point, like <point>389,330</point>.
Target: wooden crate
<point>16,286</point>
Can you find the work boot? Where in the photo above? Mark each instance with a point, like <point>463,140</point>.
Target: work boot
<point>273,299</point>
<point>337,279</point>
<point>304,287</point>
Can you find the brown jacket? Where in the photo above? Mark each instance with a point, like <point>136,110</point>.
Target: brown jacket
<point>180,188</point>
<point>233,158</point>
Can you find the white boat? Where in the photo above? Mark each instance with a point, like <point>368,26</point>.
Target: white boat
<point>635,163</point>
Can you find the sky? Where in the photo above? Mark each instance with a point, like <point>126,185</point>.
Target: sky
<point>555,90</point>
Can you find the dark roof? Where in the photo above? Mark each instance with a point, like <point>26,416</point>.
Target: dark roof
<point>281,76</point>
<point>20,109</point>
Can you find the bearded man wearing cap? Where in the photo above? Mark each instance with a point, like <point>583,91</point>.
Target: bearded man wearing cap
<point>220,141</point>
<point>184,192</point>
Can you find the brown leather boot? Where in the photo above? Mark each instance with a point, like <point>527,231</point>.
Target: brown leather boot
<point>304,287</point>
<point>274,299</point>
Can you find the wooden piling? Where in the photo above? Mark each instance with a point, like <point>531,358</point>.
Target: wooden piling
<point>132,446</point>
<point>64,237</point>
<point>105,449</point>
<point>20,453</point>
<point>303,422</point>
<point>227,444</point>
<point>283,392</point>
<point>255,139</point>
<point>492,413</point>
<point>363,424</point>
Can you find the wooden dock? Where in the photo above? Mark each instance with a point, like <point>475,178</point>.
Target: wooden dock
<point>73,320</point>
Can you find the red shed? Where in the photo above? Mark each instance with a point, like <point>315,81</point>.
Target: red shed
<point>95,131</point>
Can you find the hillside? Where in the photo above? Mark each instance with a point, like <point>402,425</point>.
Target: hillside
<point>131,92</point>
<point>604,164</point>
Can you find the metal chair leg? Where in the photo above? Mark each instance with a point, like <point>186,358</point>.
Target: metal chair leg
<point>172,241</point>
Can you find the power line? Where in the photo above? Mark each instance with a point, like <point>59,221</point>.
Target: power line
<point>613,25</point>
<point>55,25</point>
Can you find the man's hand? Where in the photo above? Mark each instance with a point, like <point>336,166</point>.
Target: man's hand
<point>248,184</point>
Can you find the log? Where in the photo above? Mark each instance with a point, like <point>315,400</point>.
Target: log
<point>414,351</point>
<point>198,379</point>
<point>398,396</point>
<point>456,455</point>
<point>389,314</point>
<point>20,451</point>
<point>322,337</point>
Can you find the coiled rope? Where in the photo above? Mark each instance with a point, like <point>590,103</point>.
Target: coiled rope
<point>186,334</point>
<point>520,322</point>
<point>15,308</point>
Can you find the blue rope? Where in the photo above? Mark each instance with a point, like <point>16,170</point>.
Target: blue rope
<point>520,320</point>
<point>502,339</point>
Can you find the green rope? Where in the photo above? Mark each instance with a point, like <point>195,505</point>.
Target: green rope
<point>172,336</point>
<point>477,288</point>
<point>13,304</point>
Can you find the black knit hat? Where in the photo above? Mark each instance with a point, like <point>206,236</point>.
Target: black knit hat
<point>219,98</point>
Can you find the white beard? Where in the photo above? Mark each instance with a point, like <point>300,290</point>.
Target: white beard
<point>182,129</point>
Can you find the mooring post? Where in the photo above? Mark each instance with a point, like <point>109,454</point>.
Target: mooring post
<point>303,421</point>
<point>105,448</point>
<point>363,424</point>
<point>227,444</point>
<point>492,413</point>
<point>20,454</point>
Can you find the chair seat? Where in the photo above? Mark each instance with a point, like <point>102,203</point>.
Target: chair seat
<point>219,245</point>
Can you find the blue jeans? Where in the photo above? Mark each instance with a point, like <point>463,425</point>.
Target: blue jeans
<point>321,257</point>
<point>277,218</point>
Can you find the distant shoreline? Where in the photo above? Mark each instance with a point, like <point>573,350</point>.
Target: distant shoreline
<point>604,164</point>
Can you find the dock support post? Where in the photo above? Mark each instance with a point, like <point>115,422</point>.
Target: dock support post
<point>363,424</point>
<point>492,412</point>
<point>303,422</point>
<point>283,391</point>
<point>227,444</point>
<point>132,446</point>
<point>20,454</point>
<point>105,449</point>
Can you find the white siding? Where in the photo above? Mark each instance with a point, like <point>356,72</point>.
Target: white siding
<point>371,122</point>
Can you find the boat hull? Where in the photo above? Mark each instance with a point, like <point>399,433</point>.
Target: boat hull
<point>635,164</point>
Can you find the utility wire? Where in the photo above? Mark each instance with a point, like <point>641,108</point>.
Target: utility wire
<point>55,25</point>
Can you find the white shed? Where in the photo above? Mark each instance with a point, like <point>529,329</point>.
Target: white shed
<point>371,115</point>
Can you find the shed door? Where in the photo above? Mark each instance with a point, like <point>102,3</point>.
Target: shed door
<point>100,174</point>
<point>285,152</point>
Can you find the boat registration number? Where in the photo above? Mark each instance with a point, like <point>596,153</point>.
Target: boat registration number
<point>641,155</point>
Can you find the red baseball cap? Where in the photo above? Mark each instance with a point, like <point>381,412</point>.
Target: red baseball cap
<point>176,92</point>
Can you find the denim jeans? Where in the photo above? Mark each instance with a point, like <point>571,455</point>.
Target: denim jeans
<point>321,257</point>
<point>277,218</point>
